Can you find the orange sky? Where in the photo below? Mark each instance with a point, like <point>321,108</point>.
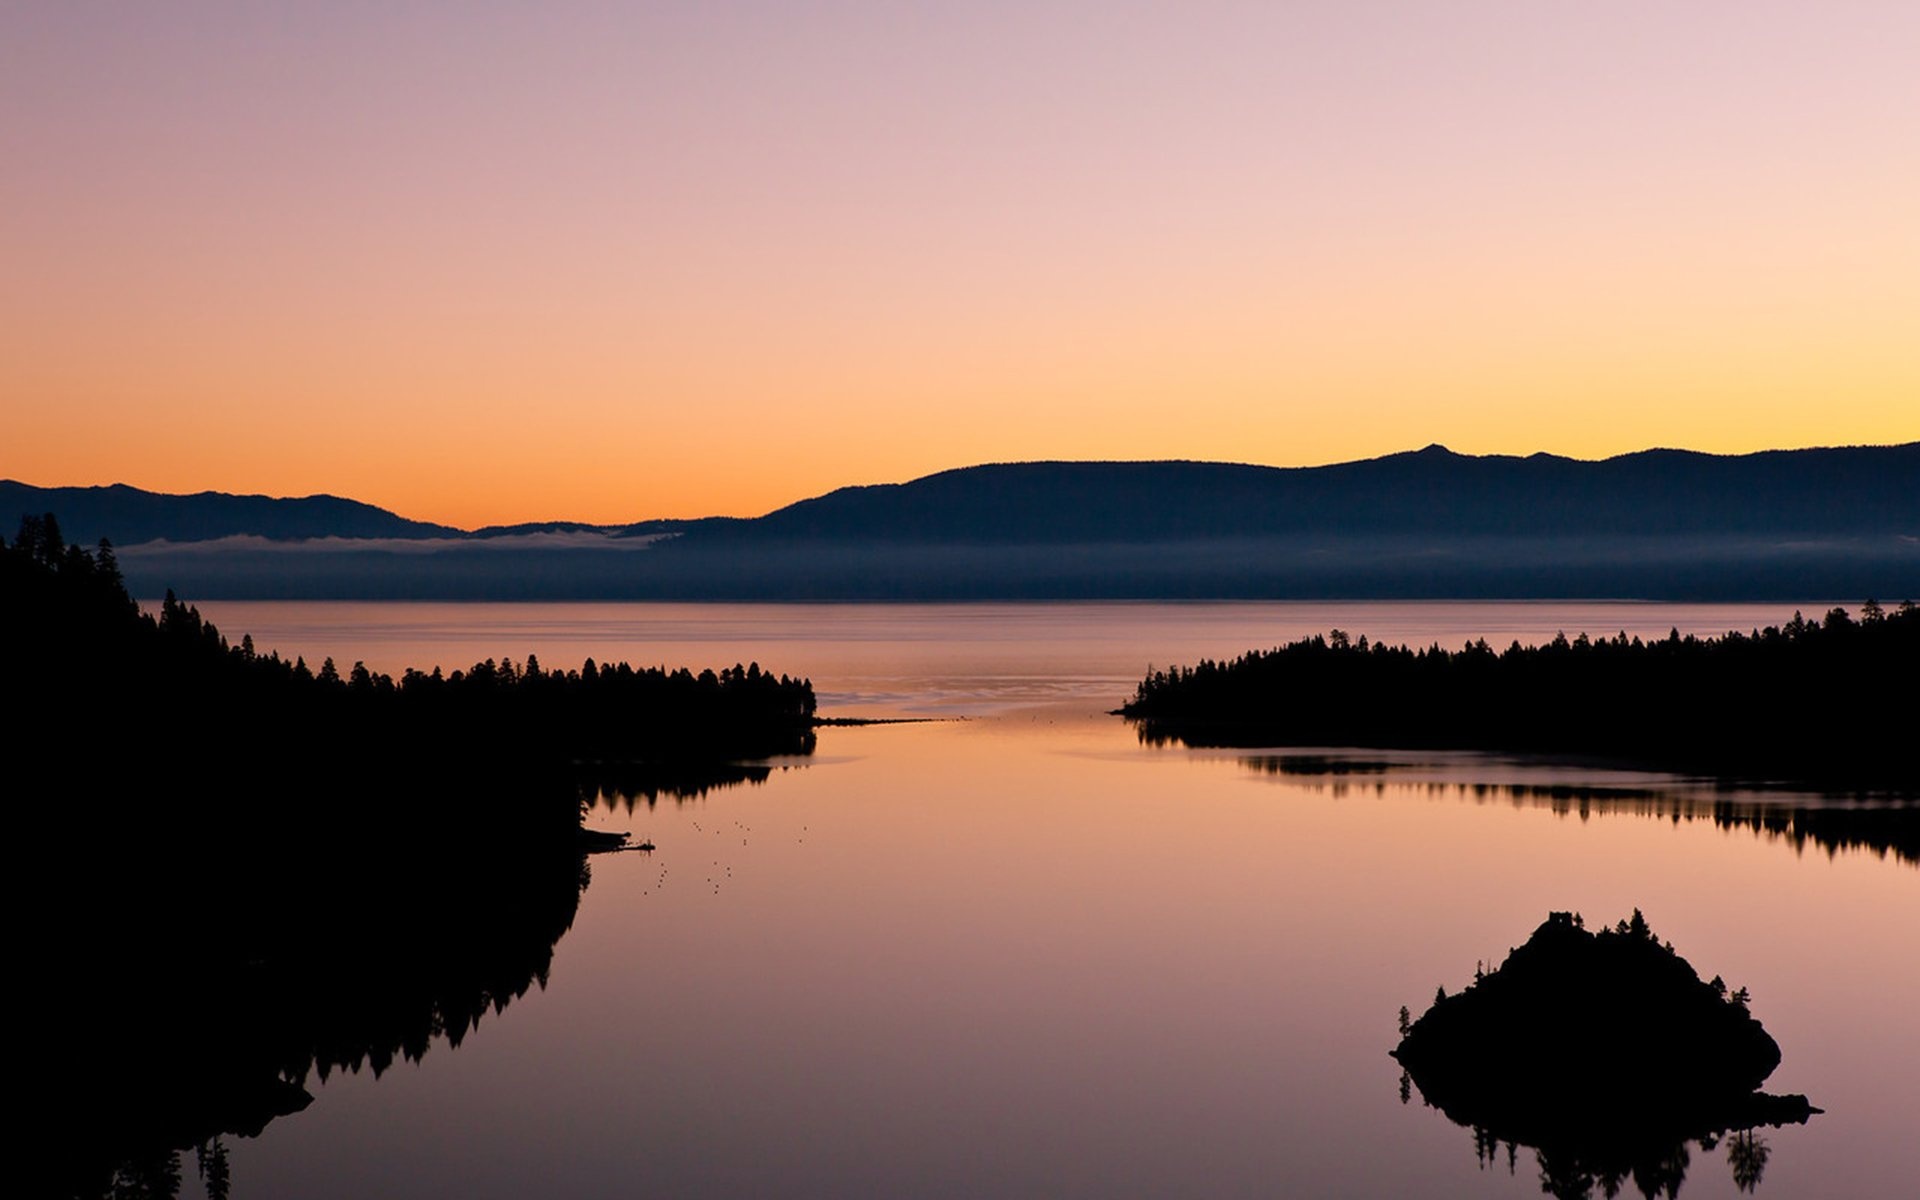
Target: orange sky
<point>485,266</point>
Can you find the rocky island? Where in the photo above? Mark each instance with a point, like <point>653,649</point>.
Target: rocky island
<point>1607,1053</point>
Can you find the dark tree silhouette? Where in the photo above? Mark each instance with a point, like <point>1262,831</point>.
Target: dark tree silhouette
<point>1827,702</point>
<point>242,873</point>
<point>1607,1054</point>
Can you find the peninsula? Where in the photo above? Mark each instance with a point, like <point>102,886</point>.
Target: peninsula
<point>1824,702</point>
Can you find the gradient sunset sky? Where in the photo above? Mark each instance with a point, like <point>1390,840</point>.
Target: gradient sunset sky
<point>500,262</point>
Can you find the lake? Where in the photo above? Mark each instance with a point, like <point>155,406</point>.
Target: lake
<point>1012,951</point>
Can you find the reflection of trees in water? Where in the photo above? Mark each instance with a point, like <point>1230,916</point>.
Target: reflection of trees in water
<point>1747,1153</point>
<point>1882,828</point>
<point>1572,1170</point>
<point>190,1031</point>
<point>157,1174</point>
<point>263,937</point>
<point>626,786</point>
<point>1577,1165</point>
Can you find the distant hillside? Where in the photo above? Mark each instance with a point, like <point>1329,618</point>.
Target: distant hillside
<point>1840,492</point>
<point>1792,526</point>
<point>1865,490</point>
<point>523,528</point>
<point>129,515</point>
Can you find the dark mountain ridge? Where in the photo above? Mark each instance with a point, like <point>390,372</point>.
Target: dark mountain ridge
<point>129,515</point>
<point>1844,491</point>
<point>1788,525</point>
<point>1834,491</point>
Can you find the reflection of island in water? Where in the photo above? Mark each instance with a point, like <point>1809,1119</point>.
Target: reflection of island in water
<point>1881,826</point>
<point>1607,1055</point>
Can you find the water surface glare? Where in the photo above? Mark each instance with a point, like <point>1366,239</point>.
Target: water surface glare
<point>1021,954</point>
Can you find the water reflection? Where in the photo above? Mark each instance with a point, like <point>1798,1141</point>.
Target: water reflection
<point>627,787</point>
<point>1579,1164</point>
<point>214,966</point>
<point>173,1035</point>
<point>1884,827</point>
<point>1579,1158</point>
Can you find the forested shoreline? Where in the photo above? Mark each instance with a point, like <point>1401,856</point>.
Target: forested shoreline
<point>243,871</point>
<point>92,668</point>
<point>1826,702</point>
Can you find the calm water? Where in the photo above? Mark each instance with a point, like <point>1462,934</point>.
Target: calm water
<point>1020,954</point>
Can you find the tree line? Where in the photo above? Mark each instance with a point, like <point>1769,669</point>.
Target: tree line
<point>1827,701</point>
<point>83,646</point>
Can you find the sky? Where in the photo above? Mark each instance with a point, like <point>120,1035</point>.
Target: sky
<point>499,262</point>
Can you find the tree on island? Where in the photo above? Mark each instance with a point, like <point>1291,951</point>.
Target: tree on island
<point>1605,1052</point>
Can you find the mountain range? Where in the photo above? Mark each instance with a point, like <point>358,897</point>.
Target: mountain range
<point>1834,522</point>
<point>1852,490</point>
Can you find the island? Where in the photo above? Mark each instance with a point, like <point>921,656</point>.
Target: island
<point>1604,1051</point>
